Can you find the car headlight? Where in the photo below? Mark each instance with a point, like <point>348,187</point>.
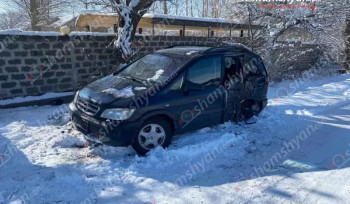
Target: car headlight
<point>118,113</point>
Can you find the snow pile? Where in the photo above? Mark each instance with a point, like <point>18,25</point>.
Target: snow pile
<point>124,93</point>
<point>90,34</point>
<point>42,158</point>
<point>48,33</point>
<point>11,31</point>
<point>29,33</point>
<point>34,98</point>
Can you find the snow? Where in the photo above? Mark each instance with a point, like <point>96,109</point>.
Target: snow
<point>123,93</point>
<point>166,16</point>
<point>42,33</point>
<point>139,88</point>
<point>90,34</point>
<point>34,98</point>
<point>191,52</point>
<point>63,20</point>
<point>44,160</point>
<point>29,33</point>
<point>157,75</point>
<point>97,12</point>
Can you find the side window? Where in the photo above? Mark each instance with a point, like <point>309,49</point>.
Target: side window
<point>204,73</point>
<point>251,67</point>
<point>177,85</point>
<point>233,67</point>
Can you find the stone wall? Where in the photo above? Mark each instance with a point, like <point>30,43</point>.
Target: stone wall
<point>37,63</point>
<point>33,65</point>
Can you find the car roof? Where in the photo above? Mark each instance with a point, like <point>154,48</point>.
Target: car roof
<point>192,51</point>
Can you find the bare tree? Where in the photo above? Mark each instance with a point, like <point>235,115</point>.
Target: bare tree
<point>165,6</point>
<point>38,12</point>
<point>12,20</point>
<point>320,19</point>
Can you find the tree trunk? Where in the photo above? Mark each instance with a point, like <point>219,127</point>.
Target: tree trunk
<point>165,7</point>
<point>191,9</point>
<point>177,7</point>
<point>203,7</point>
<point>130,14</point>
<point>207,8</point>
<point>186,7</point>
<point>34,17</point>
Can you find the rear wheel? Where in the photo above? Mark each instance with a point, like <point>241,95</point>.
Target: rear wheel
<point>152,133</point>
<point>249,109</point>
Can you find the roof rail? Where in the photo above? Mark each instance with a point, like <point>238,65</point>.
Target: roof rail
<point>227,49</point>
<point>185,45</point>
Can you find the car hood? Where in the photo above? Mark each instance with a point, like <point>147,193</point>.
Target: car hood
<point>101,91</point>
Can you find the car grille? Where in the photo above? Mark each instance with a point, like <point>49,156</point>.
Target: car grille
<point>87,107</point>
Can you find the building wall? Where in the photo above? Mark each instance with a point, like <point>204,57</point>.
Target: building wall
<point>34,65</point>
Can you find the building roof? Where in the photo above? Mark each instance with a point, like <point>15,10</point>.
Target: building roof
<point>162,22</point>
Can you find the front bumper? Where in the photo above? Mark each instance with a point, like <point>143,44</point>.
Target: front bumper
<point>114,133</point>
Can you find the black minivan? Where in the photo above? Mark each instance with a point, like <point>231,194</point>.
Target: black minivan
<point>171,91</point>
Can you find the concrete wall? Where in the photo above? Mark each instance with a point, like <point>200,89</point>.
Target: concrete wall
<point>35,64</point>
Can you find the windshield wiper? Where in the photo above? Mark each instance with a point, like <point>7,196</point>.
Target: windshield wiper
<point>135,79</point>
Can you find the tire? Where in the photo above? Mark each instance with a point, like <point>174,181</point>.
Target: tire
<point>249,109</point>
<point>152,133</point>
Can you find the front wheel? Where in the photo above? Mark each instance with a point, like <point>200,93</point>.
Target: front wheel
<point>152,133</point>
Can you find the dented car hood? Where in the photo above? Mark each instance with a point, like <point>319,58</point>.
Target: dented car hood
<point>113,89</point>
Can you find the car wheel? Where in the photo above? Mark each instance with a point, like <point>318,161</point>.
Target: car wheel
<point>152,133</point>
<point>249,109</point>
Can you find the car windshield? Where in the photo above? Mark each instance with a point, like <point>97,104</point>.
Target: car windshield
<point>153,68</point>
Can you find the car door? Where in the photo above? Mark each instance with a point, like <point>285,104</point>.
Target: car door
<point>199,101</point>
<point>234,85</point>
<point>255,77</point>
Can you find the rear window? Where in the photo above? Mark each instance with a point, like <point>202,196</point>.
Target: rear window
<point>253,66</point>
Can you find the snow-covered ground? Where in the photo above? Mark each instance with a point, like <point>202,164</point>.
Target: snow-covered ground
<point>297,151</point>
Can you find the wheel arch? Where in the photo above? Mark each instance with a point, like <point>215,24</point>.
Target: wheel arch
<point>165,115</point>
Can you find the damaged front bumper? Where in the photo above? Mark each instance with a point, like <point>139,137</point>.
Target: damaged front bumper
<point>114,133</point>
